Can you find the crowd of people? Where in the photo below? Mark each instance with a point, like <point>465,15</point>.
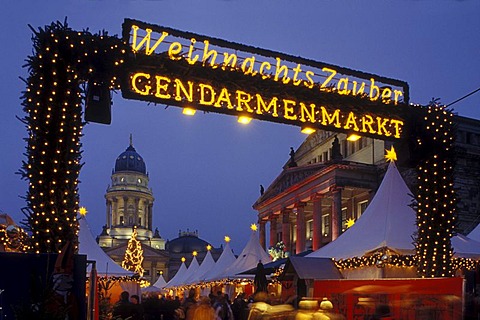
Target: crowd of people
<point>214,307</point>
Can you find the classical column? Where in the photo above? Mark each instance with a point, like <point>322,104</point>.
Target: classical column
<point>286,238</point>
<point>114,212</point>
<point>262,235</point>
<point>135,214</point>
<point>301,232</point>
<point>273,231</point>
<point>125,211</point>
<point>317,222</point>
<point>149,215</point>
<point>108,203</point>
<point>336,211</point>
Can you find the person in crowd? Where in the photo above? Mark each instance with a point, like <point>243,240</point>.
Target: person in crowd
<point>240,307</point>
<point>222,308</point>
<point>137,308</point>
<point>123,309</point>
<point>259,306</point>
<point>189,304</point>
<point>204,310</point>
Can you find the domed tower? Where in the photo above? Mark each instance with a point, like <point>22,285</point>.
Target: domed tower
<point>129,203</point>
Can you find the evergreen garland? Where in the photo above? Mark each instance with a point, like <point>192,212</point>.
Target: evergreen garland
<point>62,60</point>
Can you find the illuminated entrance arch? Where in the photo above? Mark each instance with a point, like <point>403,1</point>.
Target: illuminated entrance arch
<point>168,66</point>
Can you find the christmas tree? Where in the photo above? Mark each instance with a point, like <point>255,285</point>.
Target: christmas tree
<point>134,255</point>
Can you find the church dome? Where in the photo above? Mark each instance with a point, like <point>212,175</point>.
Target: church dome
<point>130,160</point>
<point>187,242</point>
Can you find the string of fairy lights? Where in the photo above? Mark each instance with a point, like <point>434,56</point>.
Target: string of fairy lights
<point>63,59</point>
<point>436,198</point>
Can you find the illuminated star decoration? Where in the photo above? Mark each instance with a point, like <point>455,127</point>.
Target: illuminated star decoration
<point>350,222</point>
<point>183,259</point>
<point>209,247</point>
<point>391,155</point>
<point>83,211</point>
<point>227,239</point>
<point>194,253</point>
<point>253,227</point>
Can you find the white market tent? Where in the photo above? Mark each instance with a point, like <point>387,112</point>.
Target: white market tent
<point>157,286</point>
<point>160,283</point>
<point>226,259</point>
<point>203,269</point>
<point>465,247</point>
<point>388,222</point>
<point>475,233</point>
<point>251,255</point>
<point>178,276</point>
<point>182,275</point>
<point>88,246</point>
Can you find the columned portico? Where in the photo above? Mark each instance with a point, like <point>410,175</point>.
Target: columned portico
<point>308,201</point>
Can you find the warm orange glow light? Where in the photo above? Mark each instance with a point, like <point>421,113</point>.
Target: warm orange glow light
<point>353,137</point>
<point>244,120</point>
<point>308,130</point>
<point>189,111</point>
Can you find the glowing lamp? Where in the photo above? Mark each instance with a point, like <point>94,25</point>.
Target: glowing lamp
<point>353,137</point>
<point>183,259</point>
<point>244,120</point>
<point>209,247</point>
<point>307,130</point>
<point>189,111</point>
<point>194,253</point>
<point>227,239</point>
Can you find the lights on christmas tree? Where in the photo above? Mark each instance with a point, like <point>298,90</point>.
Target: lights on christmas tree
<point>133,258</point>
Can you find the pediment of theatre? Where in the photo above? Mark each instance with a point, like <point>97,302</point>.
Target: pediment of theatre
<point>288,178</point>
<point>148,251</point>
<point>308,180</point>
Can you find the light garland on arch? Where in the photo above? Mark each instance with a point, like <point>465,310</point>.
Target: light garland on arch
<point>436,198</point>
<point>52,102</point>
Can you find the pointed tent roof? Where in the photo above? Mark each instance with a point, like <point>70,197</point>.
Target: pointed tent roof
<point>475,233</point>
<point>178,276</point>
<point>192,268</point>
<point>88,246</point>
<point>227,258</point>
<point>206,266</point>
<point>388,222</point>
<point>160,283</point>
<point>465,247</point>
<point>249,258</point>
